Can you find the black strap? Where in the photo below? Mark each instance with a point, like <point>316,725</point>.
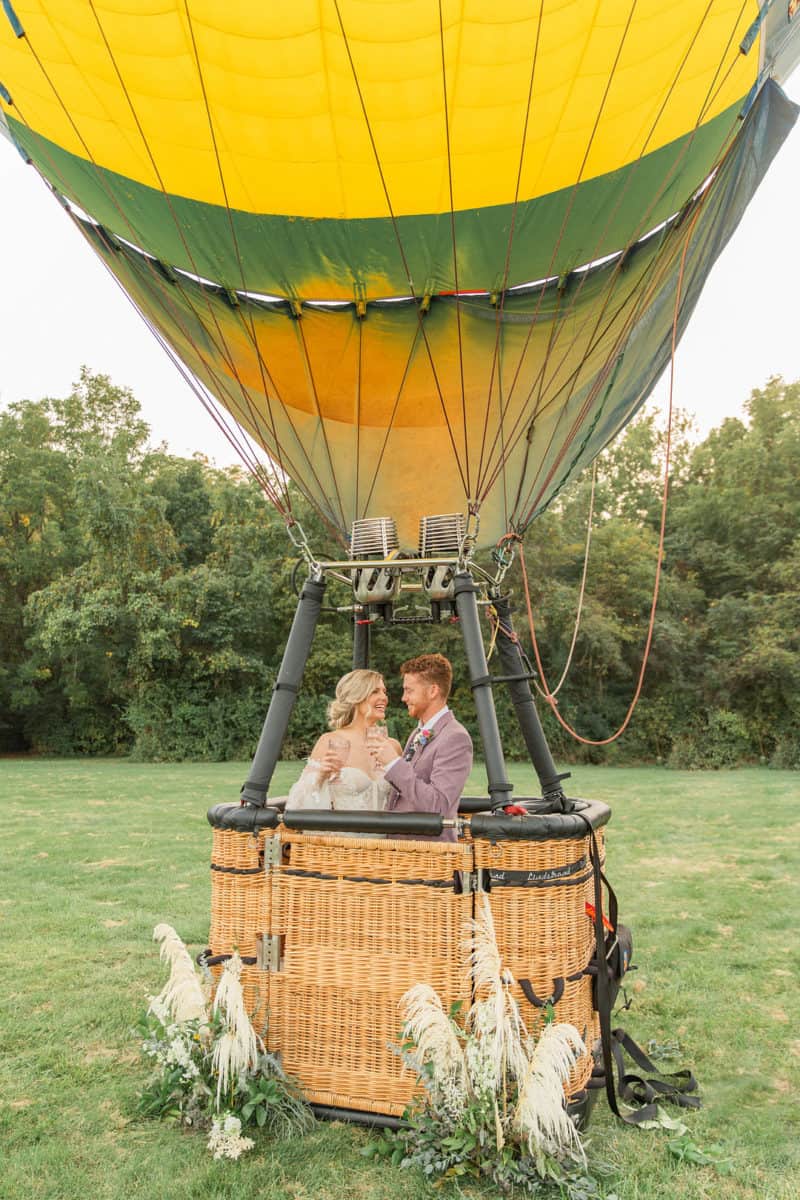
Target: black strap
<point>675,1088</point>
<point>536,1001</point>
<point>206,959</point>
<point>632,1088</point>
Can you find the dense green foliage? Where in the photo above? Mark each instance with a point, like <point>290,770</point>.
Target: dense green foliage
<point>144,598</point>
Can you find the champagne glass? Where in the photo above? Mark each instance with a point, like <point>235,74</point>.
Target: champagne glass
<point>340,746</point>
<point>376,737</point>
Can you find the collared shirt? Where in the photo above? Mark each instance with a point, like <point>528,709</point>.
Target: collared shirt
<point>429,724</point>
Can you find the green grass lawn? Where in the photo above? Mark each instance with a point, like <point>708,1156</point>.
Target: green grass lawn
<point>95,853</point>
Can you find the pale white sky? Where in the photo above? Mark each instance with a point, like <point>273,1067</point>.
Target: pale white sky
<point>59,309</point>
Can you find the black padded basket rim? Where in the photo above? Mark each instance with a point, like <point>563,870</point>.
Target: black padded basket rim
<point>492,827</point>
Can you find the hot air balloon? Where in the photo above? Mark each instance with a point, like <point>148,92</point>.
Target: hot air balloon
<point>429,257</point>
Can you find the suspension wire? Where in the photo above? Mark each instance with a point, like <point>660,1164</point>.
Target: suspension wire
<point>357,422</point>
<point>713,90</point>
<point>389,427</point>
<point>261,477</point>
<point>312,385</point>
<point>607,369</point>
<point>620,262</point>
<point>115,204</point>
<point>582,593</point>
<point>248,413</point>
<point>664,263</point>
<point>251,463</point>
<point>548,695</point>
<point>637,231</point>
<point>401,250</point>
<point>251,411</point>
<point>455,253</point>
<point>506,271</point>
<point>657,270</point>
<point>235,241</point>
<point>568,211</point>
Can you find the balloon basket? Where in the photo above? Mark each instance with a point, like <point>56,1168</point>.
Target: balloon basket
<point>334,929</point>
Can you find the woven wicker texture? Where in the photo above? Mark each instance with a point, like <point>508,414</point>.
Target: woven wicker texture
<point>360,920</point>
<point>240,892</point>
<point>543,932</point>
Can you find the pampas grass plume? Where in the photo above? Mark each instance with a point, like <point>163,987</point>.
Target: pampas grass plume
<point>429,1026</point>
<point>541,1114</point>
<point>237,1048</point>
<point>495,1016</point>
<point>182,993</point>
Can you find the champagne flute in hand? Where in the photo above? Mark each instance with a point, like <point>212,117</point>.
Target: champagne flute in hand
<point>376,737</point>
<point>337,753</point>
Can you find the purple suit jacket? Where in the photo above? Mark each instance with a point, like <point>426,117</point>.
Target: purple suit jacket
<point>432,781</point>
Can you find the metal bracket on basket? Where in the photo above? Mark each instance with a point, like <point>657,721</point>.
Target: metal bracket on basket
<point>268,952</point>
<point>465,882</point>
<point>272,853</point>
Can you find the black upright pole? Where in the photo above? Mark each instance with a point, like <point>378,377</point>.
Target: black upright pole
<point>525,708</point>
<point>287,685</point>
<point>467,608</point>
<point>361,638</point>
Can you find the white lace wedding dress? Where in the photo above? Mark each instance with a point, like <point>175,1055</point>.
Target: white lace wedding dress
<point>352,789</point>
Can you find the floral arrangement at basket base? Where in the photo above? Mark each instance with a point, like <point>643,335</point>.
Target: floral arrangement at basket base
<point>493,1104</point>
<point>210,1068</point>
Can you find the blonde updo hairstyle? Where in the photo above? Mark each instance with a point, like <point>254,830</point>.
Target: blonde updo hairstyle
<point>352,689</point>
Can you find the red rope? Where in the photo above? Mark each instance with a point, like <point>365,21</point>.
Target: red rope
<point>550,696</point>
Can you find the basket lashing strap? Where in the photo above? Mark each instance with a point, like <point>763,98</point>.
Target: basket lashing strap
<point>237,870</point>
<point>305,874</point>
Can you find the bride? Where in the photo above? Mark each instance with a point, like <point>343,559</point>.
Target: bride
<point>340,773</point>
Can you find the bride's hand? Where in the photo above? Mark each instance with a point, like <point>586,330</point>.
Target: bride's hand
<point>334,757</point>
<point>331,765</point>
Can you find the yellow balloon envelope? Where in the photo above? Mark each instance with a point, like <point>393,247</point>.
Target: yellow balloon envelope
<point>427,255</point>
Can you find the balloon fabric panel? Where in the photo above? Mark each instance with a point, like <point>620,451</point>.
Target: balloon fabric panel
<point>292,194</point>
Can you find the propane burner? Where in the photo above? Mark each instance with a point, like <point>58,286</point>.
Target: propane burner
<point>373,537</point>
<point>441,535</point>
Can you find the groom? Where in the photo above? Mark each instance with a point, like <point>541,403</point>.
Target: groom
<point>433,769</point>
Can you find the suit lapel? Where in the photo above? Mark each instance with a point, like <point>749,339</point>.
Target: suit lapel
<point>438,729</point>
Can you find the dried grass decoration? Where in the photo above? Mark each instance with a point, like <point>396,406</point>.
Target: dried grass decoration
<point>210,1068</point>
<point>493,1103</point>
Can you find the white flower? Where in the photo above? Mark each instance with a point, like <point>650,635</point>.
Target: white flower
<point>178,1053</point>
<point>225,1140</point>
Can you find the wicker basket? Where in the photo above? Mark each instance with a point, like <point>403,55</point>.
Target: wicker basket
<point>345,925</point>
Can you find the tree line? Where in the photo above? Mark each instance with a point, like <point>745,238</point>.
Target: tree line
<point>145,598</point>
